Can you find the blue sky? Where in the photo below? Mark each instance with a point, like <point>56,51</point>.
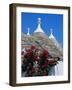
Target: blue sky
<point>48,21</point>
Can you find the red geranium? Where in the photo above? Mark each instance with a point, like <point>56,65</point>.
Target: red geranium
<point>45,65</point>
<point>45,54</point>
<point>33,47</point>
<point>52,62</point>
<point>32,55</point>
<point>34,58</point>
<point>33,70</point>
<point>22,53</point>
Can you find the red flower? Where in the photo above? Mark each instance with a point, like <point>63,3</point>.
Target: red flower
<point>22,53</point>
<point>45,54</point>
<point>45,65</point>
<point>52,62</point>
<point>33,47</point>
<point>33,70</point>
<point>28,50</point>
<point>28,54</point>
<point>34,58</point>
<point>45,73</point>
<point>38,69</point>
<point>24,62</point>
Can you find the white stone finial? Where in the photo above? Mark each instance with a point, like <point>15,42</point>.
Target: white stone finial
<point>28,32</point>
<point>51,35</point>
<point>51,31</point>
<point>39,20</point>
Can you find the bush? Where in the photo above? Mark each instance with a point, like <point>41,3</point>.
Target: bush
<point>36,62</point>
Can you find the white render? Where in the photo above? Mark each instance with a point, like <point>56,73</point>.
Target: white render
<point>59,68</point>
<point>56,70</point>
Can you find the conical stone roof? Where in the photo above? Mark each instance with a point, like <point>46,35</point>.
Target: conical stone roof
<point>39,29</point>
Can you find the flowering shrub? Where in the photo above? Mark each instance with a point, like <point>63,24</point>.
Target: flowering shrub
<point>36,62</point>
